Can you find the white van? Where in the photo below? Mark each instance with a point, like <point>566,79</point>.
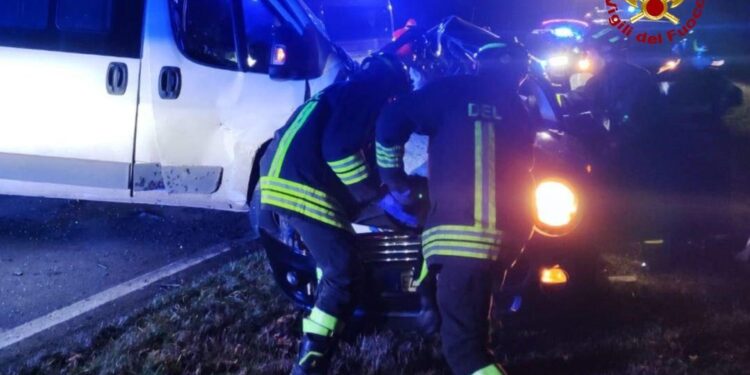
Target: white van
<point>151,101</point>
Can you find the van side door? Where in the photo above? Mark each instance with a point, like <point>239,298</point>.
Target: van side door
<point>68,96</point>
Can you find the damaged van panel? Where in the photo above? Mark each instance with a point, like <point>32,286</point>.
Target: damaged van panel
<point>177,179</point>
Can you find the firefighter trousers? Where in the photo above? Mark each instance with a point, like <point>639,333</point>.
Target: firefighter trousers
<point>464,292</point>
<point>335,254</point>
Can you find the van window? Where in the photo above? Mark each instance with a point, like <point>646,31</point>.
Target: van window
<point>204,30</point>
<point>96,27</point>
<point>84,15</point>
<point>259,23</point>
<point>24,14</point>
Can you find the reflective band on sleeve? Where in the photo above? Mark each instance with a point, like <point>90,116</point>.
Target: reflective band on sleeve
<point>489,370</point>
<point>309,326</point>
<point>323,319</point>
<point>348,163</point>
<point>357,175</point>
<point>389,157</point>
<point>288,137</point>
<point>352,169</point>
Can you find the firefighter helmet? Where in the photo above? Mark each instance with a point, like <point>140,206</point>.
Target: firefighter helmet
<point>506,61</point>
<point>389,70</point>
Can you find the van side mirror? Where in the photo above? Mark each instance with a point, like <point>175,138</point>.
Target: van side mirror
<point>297,57</point>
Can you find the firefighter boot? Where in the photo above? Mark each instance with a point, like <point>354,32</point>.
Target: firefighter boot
<point>314,355</point>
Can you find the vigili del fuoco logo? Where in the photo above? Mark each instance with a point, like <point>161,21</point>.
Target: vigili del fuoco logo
<point>674,12</point>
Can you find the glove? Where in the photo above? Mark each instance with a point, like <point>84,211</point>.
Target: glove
<point>397,211</point>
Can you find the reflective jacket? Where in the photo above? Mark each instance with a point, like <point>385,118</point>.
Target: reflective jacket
<point>480,150</point>
<point>316,165</point>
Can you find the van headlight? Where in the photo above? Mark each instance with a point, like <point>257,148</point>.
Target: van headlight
<point>559,61</point>
<point>556,207</point>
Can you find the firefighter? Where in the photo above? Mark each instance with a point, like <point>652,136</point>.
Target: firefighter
<point>316,176</point>
<point>625,98</point>
<point>620,90</point>
<point>480,154</point>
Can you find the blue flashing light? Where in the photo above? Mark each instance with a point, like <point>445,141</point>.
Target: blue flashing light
<point>563,32</point>
<point>632,9</point>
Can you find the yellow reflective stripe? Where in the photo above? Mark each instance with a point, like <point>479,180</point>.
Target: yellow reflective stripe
<point>461,237</point>
<point>269,186</point>
<point>347,164</point>
<point>355,179</point>
<point>299,202</point>
<point>385,155</point>
<point>344,161</point>
<point>309,326</point>
<point>478,171</point>
<point>274,201</point>
<point>395,150</point>
<point>458,253</point>
<point>307,190</point>
<point>388,164</point>
<point>463,244</point>
<point>308,355</point>
<point>389,157</point>
<point>489,370</point>
<point>423,272</point>
<point>323,318</point>
<point>353,173</point>
<point>288,137</point>
<point>464,228</point>
<point>490,165</point>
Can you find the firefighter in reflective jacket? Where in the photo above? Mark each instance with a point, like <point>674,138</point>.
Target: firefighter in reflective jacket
<point>480,145</point>
<point>316,175</point>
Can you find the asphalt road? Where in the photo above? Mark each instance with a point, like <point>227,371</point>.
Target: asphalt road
<point>55,253</point>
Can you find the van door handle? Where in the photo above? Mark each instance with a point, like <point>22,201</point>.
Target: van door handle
<point>170,82</point>
<point>117,78</point>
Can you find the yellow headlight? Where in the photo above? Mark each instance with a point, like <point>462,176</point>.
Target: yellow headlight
<point>584,65</point>
<point>553,276</point>
<point>556,204</point>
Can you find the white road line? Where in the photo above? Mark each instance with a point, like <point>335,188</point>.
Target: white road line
<point>26,330</point>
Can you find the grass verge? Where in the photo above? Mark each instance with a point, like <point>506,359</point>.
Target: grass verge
<point>694,320</point>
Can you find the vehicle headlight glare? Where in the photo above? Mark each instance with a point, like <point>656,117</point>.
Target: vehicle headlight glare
<point>584,65</point>
<point>669,65</point>
<point>556,204</point>
<point>558,61</point>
